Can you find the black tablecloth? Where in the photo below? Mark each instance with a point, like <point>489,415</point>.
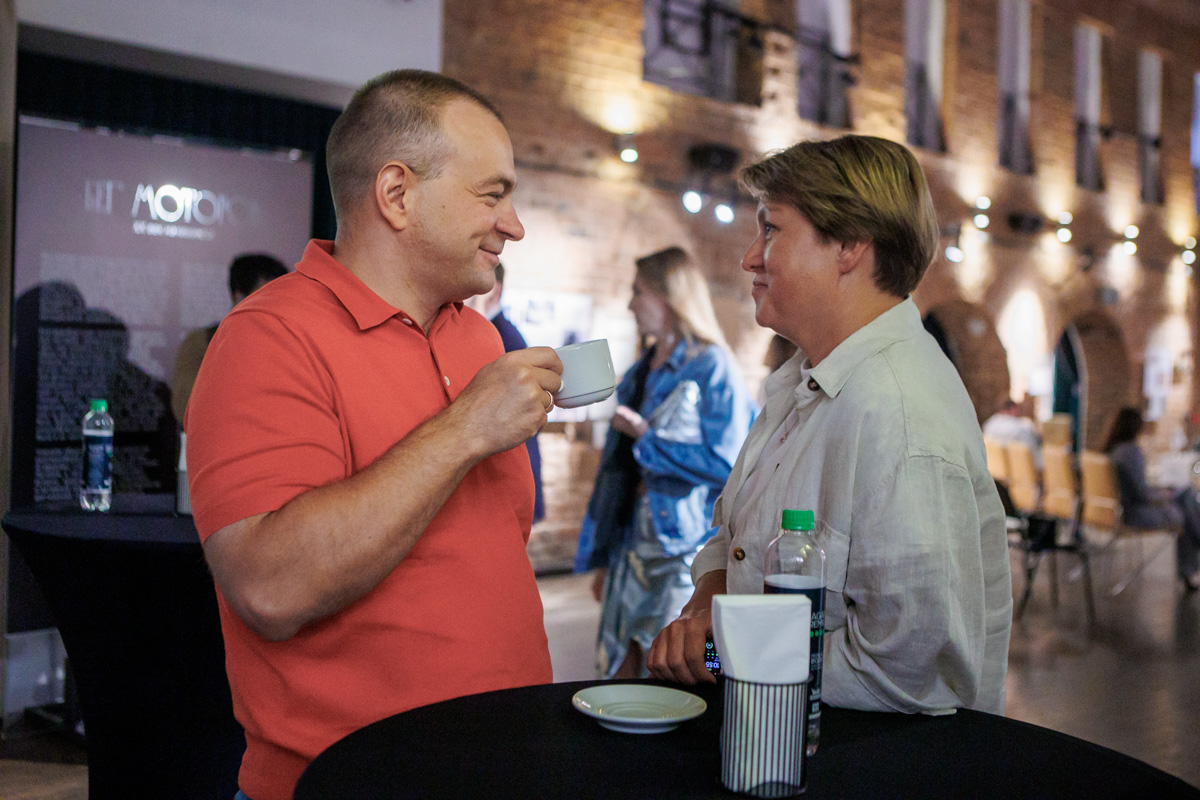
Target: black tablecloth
<point>531,743</point>
<point>135,604</point>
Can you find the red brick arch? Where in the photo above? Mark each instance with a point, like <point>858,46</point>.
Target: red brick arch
<point>976,350</point>
<point>1106,373</point>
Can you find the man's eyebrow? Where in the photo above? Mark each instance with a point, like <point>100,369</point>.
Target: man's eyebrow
<point>506,183</point>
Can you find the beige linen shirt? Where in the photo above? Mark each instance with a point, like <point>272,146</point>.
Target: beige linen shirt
<point>886,450</point>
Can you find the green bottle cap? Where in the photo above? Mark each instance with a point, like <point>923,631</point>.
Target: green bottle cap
<point>794,520</point>
<point>100,405</point>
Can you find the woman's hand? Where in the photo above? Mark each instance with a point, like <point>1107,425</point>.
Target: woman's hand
<point>678,652</point>
<point>629,422</point>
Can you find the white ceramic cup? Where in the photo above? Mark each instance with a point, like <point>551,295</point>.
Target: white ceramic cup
<point>588,375</point>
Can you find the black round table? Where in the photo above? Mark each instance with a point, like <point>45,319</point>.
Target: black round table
<point>135,604</point>
<point>531,743</point>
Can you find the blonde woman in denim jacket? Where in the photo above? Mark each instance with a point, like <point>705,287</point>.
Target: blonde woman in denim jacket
<point>683,415</point>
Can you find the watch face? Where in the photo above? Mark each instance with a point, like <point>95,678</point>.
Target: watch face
<point>711,660</point>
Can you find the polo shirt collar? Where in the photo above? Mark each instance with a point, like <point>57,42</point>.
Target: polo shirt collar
<point>900,322</point>
<point>367,308</point>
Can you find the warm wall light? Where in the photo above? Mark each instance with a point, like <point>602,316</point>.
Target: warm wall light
<point>723,213</point>
<point>1190,243</point>
<point>1065,218</point>
<point>626,147</point>
<point>954,253</point>
<point>983,202</point>
<point>1189,257</point>
<point>1063,234</point>
<point>1131,231</point>
<point>693,201</point>
<point>1131,247</point>
<point>981,221</point>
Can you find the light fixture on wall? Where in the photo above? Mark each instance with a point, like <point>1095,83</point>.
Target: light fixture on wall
<point>712,166</point>
<point>1063,234</point>
<point>954,252</point>
<point>1189,251</point>
<point>1129,245</point>
<point>627,147</point>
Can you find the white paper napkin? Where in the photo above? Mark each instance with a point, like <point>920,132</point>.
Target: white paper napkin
<point>763,638</point>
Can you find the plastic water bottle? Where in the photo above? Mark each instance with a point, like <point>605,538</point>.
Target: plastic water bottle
<point>95,493</point>
<point>795,564</point>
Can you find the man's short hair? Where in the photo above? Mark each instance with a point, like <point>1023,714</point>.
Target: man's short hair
<point>394,116</point>
<point>249,270</point>
<point>855,189</point>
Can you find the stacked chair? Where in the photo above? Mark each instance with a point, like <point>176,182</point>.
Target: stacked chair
<point>1049,513</point>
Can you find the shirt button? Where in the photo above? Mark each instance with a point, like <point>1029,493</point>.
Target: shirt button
<point>739,554</point>
<point>446,378</point>
<point>408,321</point>
<point>813,385</point>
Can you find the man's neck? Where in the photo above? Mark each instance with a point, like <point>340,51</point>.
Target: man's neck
<point>384,272</point>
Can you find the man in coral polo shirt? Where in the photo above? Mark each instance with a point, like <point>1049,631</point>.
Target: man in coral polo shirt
<point>354,439</point>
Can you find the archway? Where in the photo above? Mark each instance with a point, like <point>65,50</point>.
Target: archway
<point>1092,376</point>
<point>967,335</point>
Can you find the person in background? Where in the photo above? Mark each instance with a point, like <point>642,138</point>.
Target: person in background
<point>683,415</point>
<point>1012,424</point>
<point>1143,507</point>
<point>488,304</point>
<point>247,273</point>
<point>357,472</point>
<point>870,427</point>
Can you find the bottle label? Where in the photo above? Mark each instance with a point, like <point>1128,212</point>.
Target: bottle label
<point>811,588</point>
<point>97,461</point>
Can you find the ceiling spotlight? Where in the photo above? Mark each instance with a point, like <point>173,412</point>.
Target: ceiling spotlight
<point>983,202</point>
<point>981,221</point>
<point>1190,243</point>
<point>627,148</point>
<point>1063,234</point>
<point>954,254</point>
<point>1065,218</point>
<point>724,213</point>
<point>1130,247</point>
<point>693,202</point>
<point>1131,231</point>
<point>1189,257</point>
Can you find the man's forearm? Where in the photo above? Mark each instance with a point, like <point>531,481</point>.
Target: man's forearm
<point>331,545</point>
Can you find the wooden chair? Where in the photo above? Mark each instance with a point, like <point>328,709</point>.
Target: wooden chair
<point>1056,431</point>
<point>1102,510</point>
<point>1023,484</point>
<point>1060,506</point>
<point>997,459</point>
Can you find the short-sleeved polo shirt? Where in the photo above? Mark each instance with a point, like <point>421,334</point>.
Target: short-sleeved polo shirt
<point>308,381</point>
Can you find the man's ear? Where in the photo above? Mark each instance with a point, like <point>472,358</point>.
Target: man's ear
<point>852,255</point>
<point>394,194</point>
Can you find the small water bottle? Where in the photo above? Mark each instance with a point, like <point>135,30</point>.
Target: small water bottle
<point>795,564</point>
<point>95,493</point>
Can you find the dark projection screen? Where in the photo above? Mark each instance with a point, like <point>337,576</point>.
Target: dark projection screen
<point>123,244</point>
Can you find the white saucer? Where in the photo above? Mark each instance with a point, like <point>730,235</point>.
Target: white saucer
<point>636,708</point>
<point>584,399</point>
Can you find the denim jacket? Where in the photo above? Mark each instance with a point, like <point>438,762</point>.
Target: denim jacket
<point>699,412</point>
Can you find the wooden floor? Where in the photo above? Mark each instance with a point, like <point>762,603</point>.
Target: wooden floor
<point>1131,682</point>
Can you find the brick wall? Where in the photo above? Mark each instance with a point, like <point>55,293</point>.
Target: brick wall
<point>567,76</point>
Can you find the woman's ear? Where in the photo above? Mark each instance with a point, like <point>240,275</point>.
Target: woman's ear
<point>395,194</point>
<point>854,254</point>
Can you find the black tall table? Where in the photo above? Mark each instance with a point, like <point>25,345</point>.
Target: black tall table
<point>531,743</point>
<point>135,604</point>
